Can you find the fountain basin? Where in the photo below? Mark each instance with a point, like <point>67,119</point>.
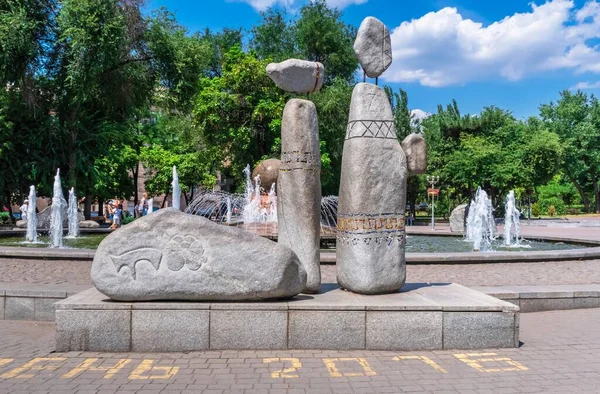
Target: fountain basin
<point>415,243</point>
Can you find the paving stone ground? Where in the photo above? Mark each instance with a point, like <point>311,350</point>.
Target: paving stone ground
<point>559,355</point>
<point>544,273</point>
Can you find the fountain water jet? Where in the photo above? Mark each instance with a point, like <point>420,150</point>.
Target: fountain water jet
<point>31,235</point>
<point>228,217</point>
<point>176,190</point>
<point>254,210</point>
<point>56,215</point>
<point>511,220</point>
<point>73,215</point>
<point>481,227</point>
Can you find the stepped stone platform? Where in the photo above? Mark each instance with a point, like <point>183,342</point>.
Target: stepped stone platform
<point>420,317</point>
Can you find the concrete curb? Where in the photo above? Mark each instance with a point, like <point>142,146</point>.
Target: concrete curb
<point>36,301</point>
<point>33,301</point>
<point>546,298</point>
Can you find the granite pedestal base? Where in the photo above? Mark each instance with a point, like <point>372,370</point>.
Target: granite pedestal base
<point>420,317</point>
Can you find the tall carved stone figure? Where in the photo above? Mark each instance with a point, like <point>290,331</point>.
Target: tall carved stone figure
<point>371,235</point>
<point>299,181</point>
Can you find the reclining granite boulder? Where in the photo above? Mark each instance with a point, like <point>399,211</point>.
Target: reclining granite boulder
<point>170,255</point>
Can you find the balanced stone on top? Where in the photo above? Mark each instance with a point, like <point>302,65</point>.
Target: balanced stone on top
<point>373,47</point>
<point>297,76</point>
<point>171,255</point>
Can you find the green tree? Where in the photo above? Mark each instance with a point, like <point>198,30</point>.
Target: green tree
<point>238,114</point>
<point>492,150</point>
<point>274,37</point>
<point>332,105</point>
<point>322,36</point>
<point>404,122</point>
<point>575,117</point>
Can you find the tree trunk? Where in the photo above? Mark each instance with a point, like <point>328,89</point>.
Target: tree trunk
<point>87,207</point>
<point>100,206</point>
<point>164,201</point>
<point>596,193</point>
<point>135,172</point>
<point>584,199</point>
<point>73,163</point>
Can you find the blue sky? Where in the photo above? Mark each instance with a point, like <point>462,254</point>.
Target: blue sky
<point>514,54</point>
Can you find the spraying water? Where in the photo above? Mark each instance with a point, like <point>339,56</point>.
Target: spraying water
<point>73,215</point>
<point>481,227</point>
<point>228,217</point>
<point>31,235</point>
<point>176,190</point>
<point>56,215</point>
<point>271,210</point>
<point>150,206</point>
<point>511,220</point>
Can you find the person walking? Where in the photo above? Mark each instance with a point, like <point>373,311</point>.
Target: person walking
<point>118,213</point>
<point>143,205</point>
<point>111,213</point>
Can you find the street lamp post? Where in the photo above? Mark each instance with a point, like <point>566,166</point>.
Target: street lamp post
<point>433,180</point>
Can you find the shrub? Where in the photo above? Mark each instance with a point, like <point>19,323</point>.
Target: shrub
<point>559,206</point>
<point>536,210</point>
<point>573,211</point>
<point>4,218</point>
<point>127,218</point>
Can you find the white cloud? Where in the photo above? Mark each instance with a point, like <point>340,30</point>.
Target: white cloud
<point>586,85</point>
<point>442,48</point>
<point>419,114</point>
<point>344,3</point>
<point>261,5</point>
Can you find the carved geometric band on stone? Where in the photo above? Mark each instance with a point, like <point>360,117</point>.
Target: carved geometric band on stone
<point>180,250</point>
<point>309,169</point>
<point>383,129</point>
<point>383,240</point>
<point>300,157</point>
<point>368,224</point>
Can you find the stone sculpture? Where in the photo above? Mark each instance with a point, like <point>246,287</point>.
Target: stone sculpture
<point>373,47</point>
<point>371,233</point>
<point>415,148</point>
<point>457,219</point>
<point>297,76</point>
<point>370,226</point>
<point>299,182</point>
<point>299,187</point>
<point>170,255</point>
<point>268,171</point>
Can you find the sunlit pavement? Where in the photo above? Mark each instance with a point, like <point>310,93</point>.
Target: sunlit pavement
<point>559,354</point>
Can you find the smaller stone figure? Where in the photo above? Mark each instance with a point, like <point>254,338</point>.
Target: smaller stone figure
<point>299,181</point>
